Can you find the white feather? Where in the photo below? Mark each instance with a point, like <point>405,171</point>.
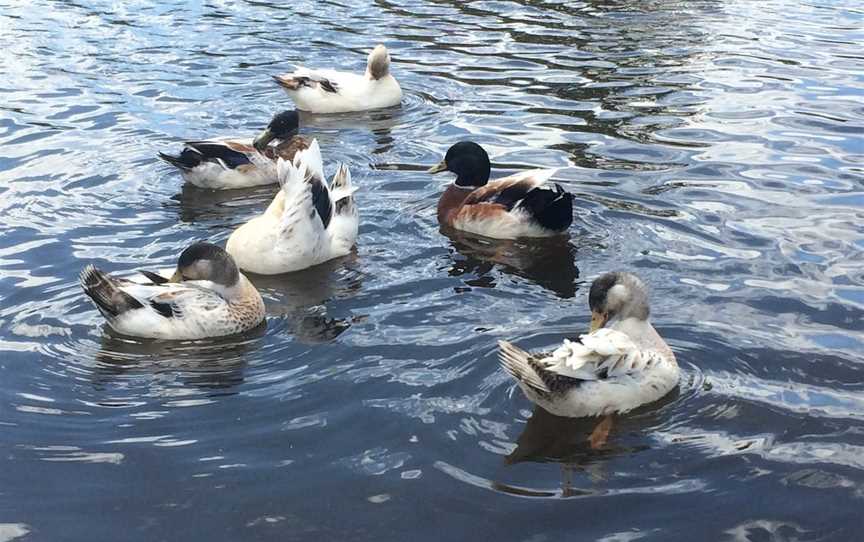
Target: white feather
<point>290,235</point>
<point>617,374</point>
<point>354,92</point>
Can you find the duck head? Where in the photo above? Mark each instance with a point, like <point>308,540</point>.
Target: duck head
<point>617,296</point>
<point>206,261</point>
<point>282,126</point>
<point>468,161</point>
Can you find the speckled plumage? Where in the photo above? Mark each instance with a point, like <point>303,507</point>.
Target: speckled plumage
<point>611,370</point>
<point>181,307</point>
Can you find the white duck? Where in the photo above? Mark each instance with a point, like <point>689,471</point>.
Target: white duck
<point>621,364</point>
<point>207,297</point>
<point>307,222</point>
<point>222,164</point>
<point>331,91</point>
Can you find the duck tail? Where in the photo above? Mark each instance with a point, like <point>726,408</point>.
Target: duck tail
<point>551,207</point>
<point>185,161</point>
<point>378,63</point>
<point>521,366</point>
<point>106,293</point>
<point>342,190</point>
<point>305,174</point>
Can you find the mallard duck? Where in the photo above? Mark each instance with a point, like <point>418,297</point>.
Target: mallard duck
<point>238,163</point>
<point>307,222</point>
<point>621,364</point>
<point>206,297</point>
<point>330,91</point>
<point>521,205</point>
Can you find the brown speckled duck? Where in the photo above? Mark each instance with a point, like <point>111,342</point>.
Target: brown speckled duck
<point>207,296</point>
<point>522,205</point>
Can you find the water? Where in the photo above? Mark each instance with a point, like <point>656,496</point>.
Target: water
<point>715,148</point>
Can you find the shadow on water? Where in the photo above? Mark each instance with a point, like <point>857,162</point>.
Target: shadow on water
<point>546,262</point>
<point>301,298</point>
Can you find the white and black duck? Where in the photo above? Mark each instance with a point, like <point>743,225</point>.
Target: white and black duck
<point>307,223</point>
<point>331,91</point>
<point>239,163</point>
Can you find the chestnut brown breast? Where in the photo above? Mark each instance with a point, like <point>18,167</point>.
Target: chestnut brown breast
<point>448,205</point>
<point>287,149</point>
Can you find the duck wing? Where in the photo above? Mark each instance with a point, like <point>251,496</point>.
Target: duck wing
<point>179,300</point>
<point>508,191</point>
<point>604,355</point>
<point>547,204</point>
<point>229,153</point>
<point>304,77</point>
<point>115,297</point>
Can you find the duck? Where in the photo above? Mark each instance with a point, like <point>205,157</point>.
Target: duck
<point>224,164</point>
<point>621,364</point>
<point>525,204</point>
<point>307,223</point>
<point>207,296</point>
<point>331,91</point>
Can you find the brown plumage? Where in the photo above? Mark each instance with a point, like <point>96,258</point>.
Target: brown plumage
<point>288,148</point>
<point>521,205</point>
<point>515,184</point>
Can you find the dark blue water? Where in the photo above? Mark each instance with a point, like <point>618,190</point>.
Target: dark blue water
<point>716,150</point>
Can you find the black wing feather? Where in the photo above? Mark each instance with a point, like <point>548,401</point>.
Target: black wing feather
<point>155,278</point>
<point>321,201</point>
<point>168,310</point>
<point>212,152</point>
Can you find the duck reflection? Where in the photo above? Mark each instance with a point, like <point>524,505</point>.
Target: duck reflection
<point>214,365</point>
<point>583,444</point>
<point>548,262</point>
<point>575,441</point>
<point>570,442</point>
<point>221,207</point>
<point>299,297</point>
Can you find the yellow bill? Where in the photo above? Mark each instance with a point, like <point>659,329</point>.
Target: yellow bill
<point>598,320</point>
<point>439,168</point>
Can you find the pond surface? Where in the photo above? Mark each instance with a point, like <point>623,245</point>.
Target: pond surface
<point>715,149</point>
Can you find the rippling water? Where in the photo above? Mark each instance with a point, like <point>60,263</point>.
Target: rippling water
<point>716,150</point>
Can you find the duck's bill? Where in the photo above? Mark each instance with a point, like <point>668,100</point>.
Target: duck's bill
<point>176,277</point>
<point>264,138</point>
<point>598,320</point>
<point>439,168</point>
